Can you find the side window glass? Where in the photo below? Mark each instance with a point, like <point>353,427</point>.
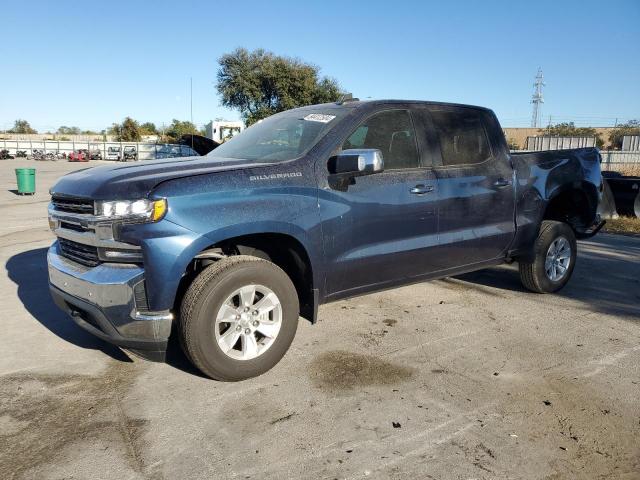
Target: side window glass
<point>463,138</point>
<point>392,133</point>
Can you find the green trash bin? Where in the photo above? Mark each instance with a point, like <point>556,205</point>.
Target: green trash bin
<point>26,180</point>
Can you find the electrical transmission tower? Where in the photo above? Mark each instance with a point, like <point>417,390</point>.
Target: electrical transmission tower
<point>537,99</point>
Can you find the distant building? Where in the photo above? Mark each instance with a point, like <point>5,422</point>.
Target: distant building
<point>221,131</point>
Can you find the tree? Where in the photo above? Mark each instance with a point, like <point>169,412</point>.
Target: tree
<point>148,128</point>
<point>177,129</point>
<point>632,127</point>
<point>260,83</point>
<point>512,144</point>
<point>22,126</point>
<point>568,129</point>
<point>68,130</point>
<point>128,131</point>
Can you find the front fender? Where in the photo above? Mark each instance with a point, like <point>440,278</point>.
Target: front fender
<point>167,249</point>
<point>198,220</point>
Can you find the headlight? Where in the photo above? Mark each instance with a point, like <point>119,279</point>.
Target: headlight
<point>143,210</point>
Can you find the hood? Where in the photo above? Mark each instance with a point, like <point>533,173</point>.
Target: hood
<point>135,180</point>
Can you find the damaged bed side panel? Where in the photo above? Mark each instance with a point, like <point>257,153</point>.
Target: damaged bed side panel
<point>553,184</point>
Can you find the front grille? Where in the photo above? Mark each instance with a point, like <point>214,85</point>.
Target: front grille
<point>72,205</point>
<point>79,252</point>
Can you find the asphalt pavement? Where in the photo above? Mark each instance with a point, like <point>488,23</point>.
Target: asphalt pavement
<point>467,377</point>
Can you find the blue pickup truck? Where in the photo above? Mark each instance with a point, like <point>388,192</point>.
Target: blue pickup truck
<point>225,252</point>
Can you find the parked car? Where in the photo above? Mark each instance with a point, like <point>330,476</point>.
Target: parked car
<point>306,207</point>
<point>200,145</point>
<point>175,151</point>
<point>114,153</point>
<point>38,154</point>
<point>130,152</point>
<point>80,155</point>
<point>95,154</point>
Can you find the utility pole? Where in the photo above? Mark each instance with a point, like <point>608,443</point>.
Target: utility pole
<point>537,99</point>
<point>191,95</point>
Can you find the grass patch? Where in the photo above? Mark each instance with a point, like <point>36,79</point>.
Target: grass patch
<point>628,170</point>
<point>622,225</point>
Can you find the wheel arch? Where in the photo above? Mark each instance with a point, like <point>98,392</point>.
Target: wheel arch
<point>283,249</point>
<point>573,204</point>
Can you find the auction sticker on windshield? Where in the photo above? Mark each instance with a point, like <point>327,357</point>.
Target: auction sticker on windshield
<point>319,117</point>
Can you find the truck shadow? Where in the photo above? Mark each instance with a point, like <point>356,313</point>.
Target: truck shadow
<point>605,278</point>
<point>28,270</point>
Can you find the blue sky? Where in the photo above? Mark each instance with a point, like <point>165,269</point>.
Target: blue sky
<point>89,64</point>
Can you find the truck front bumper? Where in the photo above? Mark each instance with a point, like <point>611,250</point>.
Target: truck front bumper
<point>102,300</point>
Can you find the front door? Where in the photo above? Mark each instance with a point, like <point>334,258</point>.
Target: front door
<point>382,229</point>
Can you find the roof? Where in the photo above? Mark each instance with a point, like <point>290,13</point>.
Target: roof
<point>373,103</point>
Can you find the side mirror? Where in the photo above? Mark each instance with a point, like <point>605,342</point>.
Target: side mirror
<point>356,162</point>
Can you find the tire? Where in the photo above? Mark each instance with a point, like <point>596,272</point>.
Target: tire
<point>535,275</point>
<point>210,300</point>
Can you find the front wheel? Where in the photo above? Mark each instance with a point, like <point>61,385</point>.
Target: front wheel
<point>555,252</point>
<point>238,318</point>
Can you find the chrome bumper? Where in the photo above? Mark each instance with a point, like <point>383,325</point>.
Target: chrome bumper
<point>101,299</point>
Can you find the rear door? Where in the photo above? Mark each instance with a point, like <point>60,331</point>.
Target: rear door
<point>383,228</point>
<point>475,183</point>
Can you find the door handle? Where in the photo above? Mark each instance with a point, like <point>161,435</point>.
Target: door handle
<point>421,189</point>
<point>501,183</point>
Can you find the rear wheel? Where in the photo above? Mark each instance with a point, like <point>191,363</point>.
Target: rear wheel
<point>238,318</point>
<point>555,252</point>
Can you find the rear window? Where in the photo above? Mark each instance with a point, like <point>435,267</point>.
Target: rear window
<point>463,137</point>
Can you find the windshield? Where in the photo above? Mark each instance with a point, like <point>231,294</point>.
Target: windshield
<point>281,137</point>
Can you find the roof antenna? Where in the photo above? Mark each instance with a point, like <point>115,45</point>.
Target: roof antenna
<point>346,97</point>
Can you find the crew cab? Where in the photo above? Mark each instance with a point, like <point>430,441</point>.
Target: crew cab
<point>226,251</point>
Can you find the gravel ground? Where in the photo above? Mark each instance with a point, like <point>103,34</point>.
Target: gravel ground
<point>467,377</point>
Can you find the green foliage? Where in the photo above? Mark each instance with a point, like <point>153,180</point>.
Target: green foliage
<point>512,144</point>
<point>148,128</point>
<point>128,131</point>
<point>568,129</point>
<point>22,126</point>
<point>632,127</point>
<point>68,130</point>
<point>177,129</point>
<point>260,83</point>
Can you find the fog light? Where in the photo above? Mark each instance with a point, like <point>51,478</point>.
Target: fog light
<point>116,255</point>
